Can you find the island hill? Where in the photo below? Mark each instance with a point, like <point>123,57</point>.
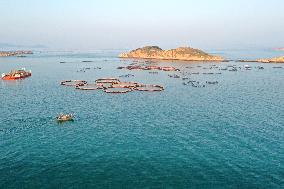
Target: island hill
<point>272,60</point>
<point>14,53</point>
<point>181,53</point>
<point>268,60</point>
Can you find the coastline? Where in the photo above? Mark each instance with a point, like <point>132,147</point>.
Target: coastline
<point>14,53</point>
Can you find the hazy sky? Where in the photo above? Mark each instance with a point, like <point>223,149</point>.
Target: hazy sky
<point>116,24</point>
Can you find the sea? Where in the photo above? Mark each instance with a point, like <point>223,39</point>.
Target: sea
<point>211,127</point>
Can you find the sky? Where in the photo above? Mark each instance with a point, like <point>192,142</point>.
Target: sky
<point>128,24</point>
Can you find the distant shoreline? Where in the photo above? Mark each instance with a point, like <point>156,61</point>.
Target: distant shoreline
<point>185,54</point>
<point>267,60</point>
<point>14,53</point>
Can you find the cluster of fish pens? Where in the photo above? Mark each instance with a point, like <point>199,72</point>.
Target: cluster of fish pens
<point>89,68</point>
<point>144,65</point>
<point>139,67</point>
<point>217,70</point>
<point>189,78</point>
<point>112,85</point>
<point>188,75</point>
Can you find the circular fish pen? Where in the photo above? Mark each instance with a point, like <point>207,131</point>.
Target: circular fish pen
<point>118,90</point>
<point>88,86</point>
<point>149,88</point>
<point>151,68</point>
<point>107,82</point>
<point>73,82</point>
<point>125,85</point>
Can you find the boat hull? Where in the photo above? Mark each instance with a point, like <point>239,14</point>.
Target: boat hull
<point>8,77</point>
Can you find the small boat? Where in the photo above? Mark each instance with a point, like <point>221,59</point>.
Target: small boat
<point>247,67</point>
<point>65,117</point>
<point>16,74</point>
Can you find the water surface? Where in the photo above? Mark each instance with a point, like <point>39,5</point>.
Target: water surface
<point>228,135</point>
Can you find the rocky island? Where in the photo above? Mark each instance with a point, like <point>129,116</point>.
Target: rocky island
<point>181,53</point>
<point>272,60</point>
<point>268,60</point>
<point>14,53</point>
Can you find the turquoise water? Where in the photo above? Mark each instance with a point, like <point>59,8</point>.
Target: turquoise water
<point>228,135</point>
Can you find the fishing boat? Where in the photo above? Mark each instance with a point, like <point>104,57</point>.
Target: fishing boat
<point>65,117</point>
<point>16,74</point>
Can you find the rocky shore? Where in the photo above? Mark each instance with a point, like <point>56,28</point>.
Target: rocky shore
<point>14,53</point>
<point>269,60</point>
<point>181,53</point>
<point>272,60</point>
